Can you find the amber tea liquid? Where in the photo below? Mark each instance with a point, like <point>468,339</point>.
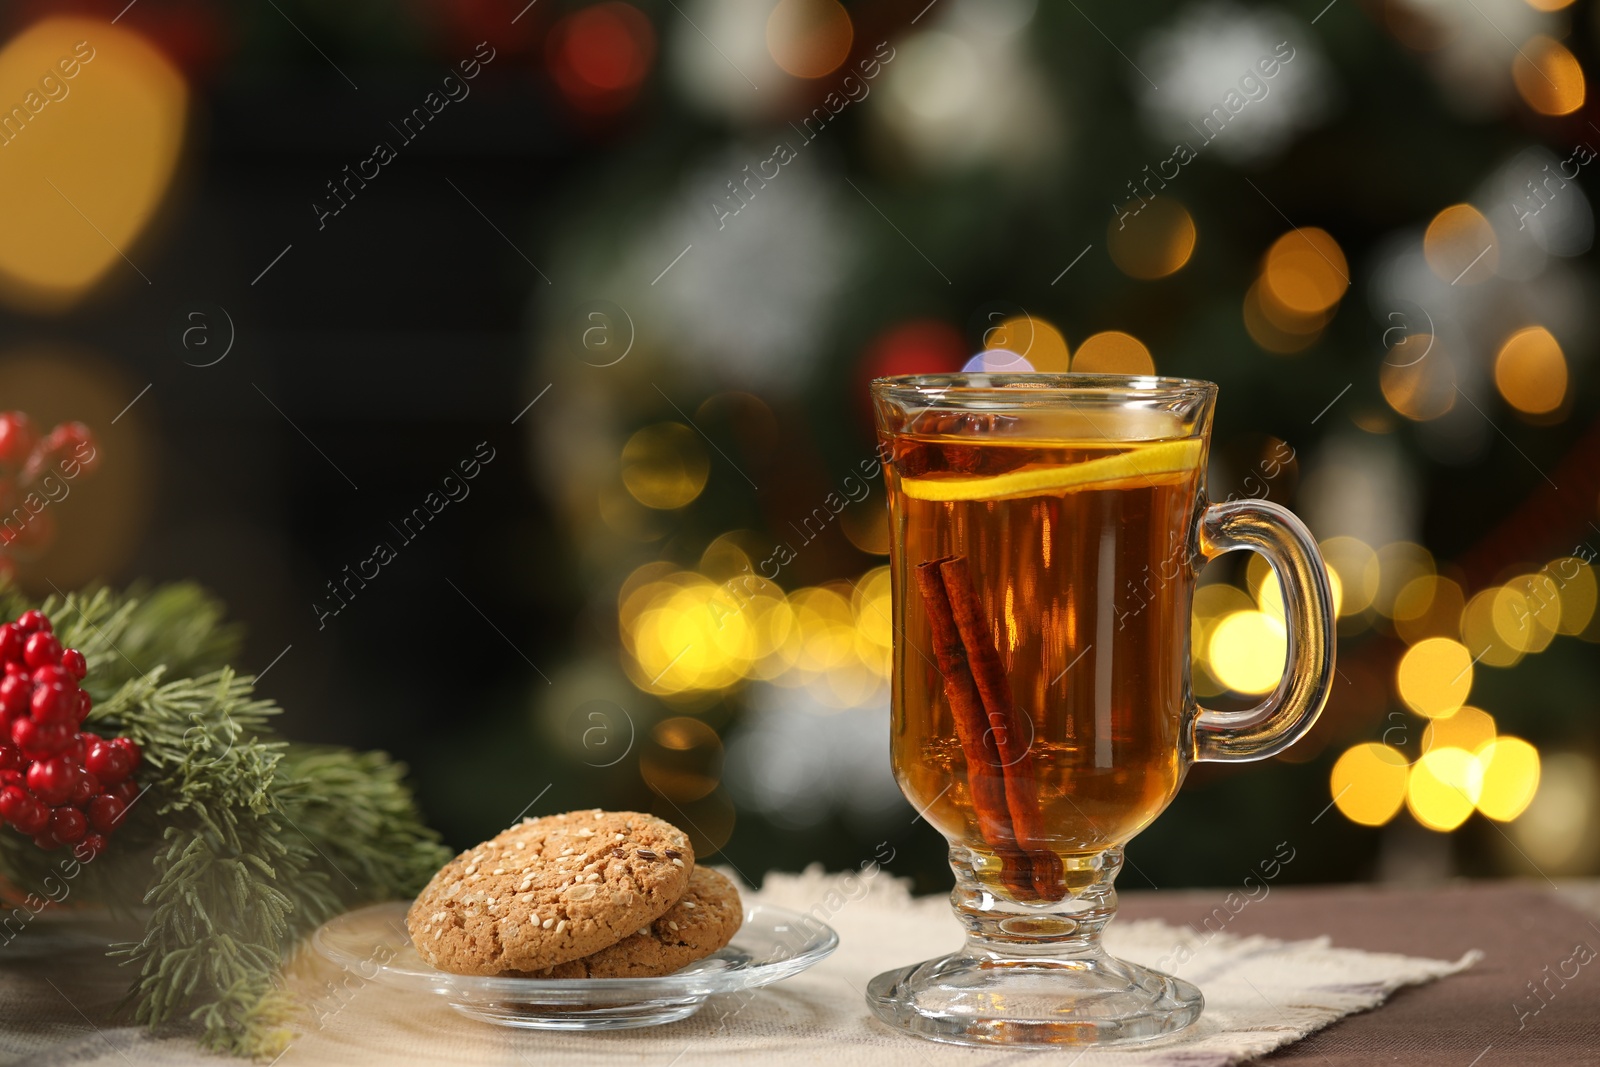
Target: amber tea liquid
<point>1081,565</point>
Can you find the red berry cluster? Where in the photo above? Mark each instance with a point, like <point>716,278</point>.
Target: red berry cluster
<point>58,784</point>
<point>27,459</point>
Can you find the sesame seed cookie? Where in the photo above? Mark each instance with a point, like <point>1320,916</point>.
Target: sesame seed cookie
<point>550,890</point>
<point>701,923</point>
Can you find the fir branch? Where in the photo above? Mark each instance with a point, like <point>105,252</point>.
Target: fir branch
<point>240,843</point>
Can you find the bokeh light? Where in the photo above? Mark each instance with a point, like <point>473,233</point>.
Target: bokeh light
<point>1368,783</point>
<point>1560,830</point>
<point>1276,328</point>
<point>1493,627</point>
<point>681,759</point>
<point>1548,76</point>
<point>1248,650</point>
<point>1531,372</point>
<point>1417,378</point>
<point>1460,246</point>
<point>1435,676</point>
<point>809,38</point>
<point>1305,271</point>
<point>1113,352</point>
<point>599,55</point>
<point>1510,778</point>
<point>102,146</point>
<point>1032,338</point>
<point>997,361</point>
<point>1428,606</point>
<point>1399,564</point>
<point>1576,586</point>
<point>1356,564</point>
<point>1467,728</point>
<point>1443,788</point>
<point>1155,242</point>
<point>665,466</point>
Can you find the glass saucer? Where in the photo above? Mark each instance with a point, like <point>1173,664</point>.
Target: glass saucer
<point>772,945</point>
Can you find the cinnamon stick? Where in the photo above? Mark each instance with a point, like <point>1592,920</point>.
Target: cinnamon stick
<point>1012,737</point>
<point>985,774</point>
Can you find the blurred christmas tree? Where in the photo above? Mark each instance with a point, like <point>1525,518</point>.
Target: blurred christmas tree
<point>1366,222</point>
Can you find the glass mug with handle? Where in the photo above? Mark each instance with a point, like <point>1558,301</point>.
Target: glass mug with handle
<point>1046,533</point>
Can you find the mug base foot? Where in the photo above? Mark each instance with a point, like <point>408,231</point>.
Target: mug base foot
<point>986,999</point>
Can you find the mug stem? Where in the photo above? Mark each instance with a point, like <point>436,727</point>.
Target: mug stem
<point>1035,974</point>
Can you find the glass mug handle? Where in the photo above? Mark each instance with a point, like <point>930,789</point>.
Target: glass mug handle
<point>1290,711</point>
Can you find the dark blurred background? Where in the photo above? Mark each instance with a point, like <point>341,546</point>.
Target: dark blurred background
<point>304,267</point>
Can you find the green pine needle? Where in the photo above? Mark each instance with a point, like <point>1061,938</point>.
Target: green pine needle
<point>240,843</point>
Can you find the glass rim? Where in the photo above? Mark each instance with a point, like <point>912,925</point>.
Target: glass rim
<point>932,389</point>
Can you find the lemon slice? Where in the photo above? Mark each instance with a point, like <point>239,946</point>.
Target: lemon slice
<point>1166,457</point>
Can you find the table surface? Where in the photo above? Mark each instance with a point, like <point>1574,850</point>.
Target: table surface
<point>1533,937</point>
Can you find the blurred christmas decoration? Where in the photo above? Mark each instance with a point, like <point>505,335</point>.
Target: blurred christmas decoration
<point>36,472</point>
<point>831,193</point>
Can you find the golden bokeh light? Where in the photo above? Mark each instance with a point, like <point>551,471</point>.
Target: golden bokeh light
<point>1399,564</point>
<point>1531,616</point>
<point>1576,586</point>
<point>1531,372</point>
<point>867,528</point>
<point>1460,246</point>
<point>665,466</point>
<point>1305,271</point>
<point>1358,569</point>
<point>1443,788</point>
<point>1154,243</point>
<point>1368,784</point>
<point>93,119</point>
<point>1549,5</point>
<point>1032,338</point>
<point>1276,328</point>
<point>1548,76</point>
<point>1492,625</point>
<point>1113,352</point>
<point>682,759</point>
<point>809,38</point>
<point>1417,378</point>
<point>1435,676</point>
<point>1247,651</point>
<point>1429,606</point>
<point>1510,778</point>
<point>1467,728</point>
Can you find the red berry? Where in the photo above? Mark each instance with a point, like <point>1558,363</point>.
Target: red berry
<point>41,650</point>
<point>131,749</point>
<point>46,840</point>
<point>68,824</point>
<point>84,788</point>
<point>49,737</point>
<point>52,703</point>
<point>50,674</point>
<point>12,798</point>
<point>11,642</point>
<point>10,757</point>
<point>126,792</point>
<point>91,846</point>
<point>15,666</point>
<point>30,816</point>
<point>17,437</point>
<point>16,778</point>
<point>51,780</point>
<point>16,692</point>
<point>25,734</point>
<point>108,762</point>
<point>31,621</point>
<point>73,663</point>
<point>106,812</point>
<point>82,704</point>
